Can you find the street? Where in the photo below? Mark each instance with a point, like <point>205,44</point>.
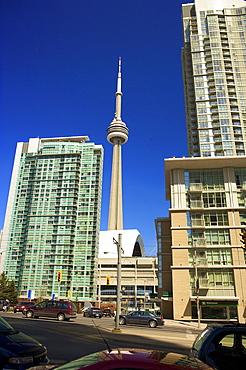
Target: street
<point>67,341</point>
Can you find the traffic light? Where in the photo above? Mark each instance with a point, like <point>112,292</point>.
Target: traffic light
<point>108,280</point>
<point>243,236</point>
<point>59,276</point>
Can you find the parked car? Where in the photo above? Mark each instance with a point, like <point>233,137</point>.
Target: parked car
<point>131,358</point>
<point>141,318</point>
<point>222,346</point>
<point>93,312</point>
<point>18,350</point>
<point>108,313</point>
<point>61,310</point>
<point>19,307</point>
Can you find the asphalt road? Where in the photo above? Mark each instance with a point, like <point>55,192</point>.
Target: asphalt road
<point>67,341</point>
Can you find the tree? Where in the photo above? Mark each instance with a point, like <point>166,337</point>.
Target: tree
<point>3,286</point>
<point>12,292</point>
<point>8,289</point>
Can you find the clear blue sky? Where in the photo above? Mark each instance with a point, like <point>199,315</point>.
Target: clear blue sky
<point>58,78</point>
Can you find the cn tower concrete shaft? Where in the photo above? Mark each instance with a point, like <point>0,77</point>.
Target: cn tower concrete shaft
<point>115,219</point>
<point>117,134</point>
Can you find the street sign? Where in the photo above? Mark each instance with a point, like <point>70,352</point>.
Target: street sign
<point>30,294</point>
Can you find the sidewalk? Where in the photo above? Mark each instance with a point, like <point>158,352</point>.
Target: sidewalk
<point>167,323</point>
<point>187,324</point>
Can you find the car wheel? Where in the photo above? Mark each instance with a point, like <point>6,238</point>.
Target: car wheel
<point>152,324</point>
<point>14,311</point>
<point>60,317</point>
<point>29,314</point>
<point>122,321</point>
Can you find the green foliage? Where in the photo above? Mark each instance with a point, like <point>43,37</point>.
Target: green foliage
<point>13,294</point>
<point>8,289</point>
<point>3,286</point>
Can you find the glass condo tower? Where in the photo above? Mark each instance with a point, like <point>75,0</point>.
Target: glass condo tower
<point>52,219</point>
<point>214,71</point>
<point>201,264</point>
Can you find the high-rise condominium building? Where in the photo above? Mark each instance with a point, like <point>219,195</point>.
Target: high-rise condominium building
<point>53,217</point>
<point>202,267</point>
<point>214,70</point>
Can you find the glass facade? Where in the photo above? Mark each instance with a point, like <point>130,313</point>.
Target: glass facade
<point>208,233</point>
<point>55,220</point>
<point>214,66</point>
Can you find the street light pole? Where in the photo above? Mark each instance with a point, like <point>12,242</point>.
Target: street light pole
<point>118,292</point>
<point>197,288</point>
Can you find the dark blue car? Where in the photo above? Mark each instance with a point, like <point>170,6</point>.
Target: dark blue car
<point>222,346</point>
<point>18,350</point>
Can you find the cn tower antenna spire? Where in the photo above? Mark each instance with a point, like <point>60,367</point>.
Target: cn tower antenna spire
<point>117,134</point>
<point>119,77</point>
<point>118,94</point>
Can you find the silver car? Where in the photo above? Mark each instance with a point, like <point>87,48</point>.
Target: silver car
<point>141,318</point>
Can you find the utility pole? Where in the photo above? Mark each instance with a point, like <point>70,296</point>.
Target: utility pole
<point>196,286</point>
<point>118,293</point>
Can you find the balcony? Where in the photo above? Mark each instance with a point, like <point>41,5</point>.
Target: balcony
<point>217,139</point>
<point>200,242</point>
<point>216,132</point>
<point>196,204</point>
<point>203,283</point>
<point>198,223</point>
<point>202,261</point>
<point>244,186</point>
<point>195,187</point>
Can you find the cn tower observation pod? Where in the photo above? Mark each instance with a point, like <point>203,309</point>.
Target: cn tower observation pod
<point>132,243</point>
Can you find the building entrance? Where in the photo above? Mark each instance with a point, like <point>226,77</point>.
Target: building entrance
<point>216,310</point>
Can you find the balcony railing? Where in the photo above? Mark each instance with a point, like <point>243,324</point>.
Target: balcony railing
<point>195,187</point>
<point>196,204</point>
<point>198,222</point>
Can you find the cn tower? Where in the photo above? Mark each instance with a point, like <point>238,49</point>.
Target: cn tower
<point>117,134</point>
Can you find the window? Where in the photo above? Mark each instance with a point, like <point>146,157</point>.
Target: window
<point>240,175</point>
<point>210,256</point>
<point>210,179</point>
<point>208,237</point>
<point>213,278</point>
<point>160,279</point>
<point>242,215</point>
<point>218,218</point>
<point>220,237</point>
<point>214,200</point>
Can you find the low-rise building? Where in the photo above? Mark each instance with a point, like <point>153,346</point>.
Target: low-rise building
<point>138,273</point>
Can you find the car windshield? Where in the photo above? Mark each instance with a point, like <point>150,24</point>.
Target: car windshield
<point>5,327</point>
<point>200,339</point>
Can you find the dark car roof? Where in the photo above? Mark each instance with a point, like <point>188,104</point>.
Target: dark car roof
<point>95,308</point>
<point>140,313</point>
<point>213,330</point>
<point>135,359</point>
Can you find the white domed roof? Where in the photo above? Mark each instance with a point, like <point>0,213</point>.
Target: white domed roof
<point>132,243</point>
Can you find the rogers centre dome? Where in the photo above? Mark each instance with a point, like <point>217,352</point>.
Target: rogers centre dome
<point>132,243</point>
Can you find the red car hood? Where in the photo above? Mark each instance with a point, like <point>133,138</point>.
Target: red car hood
<point>132,358</point>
